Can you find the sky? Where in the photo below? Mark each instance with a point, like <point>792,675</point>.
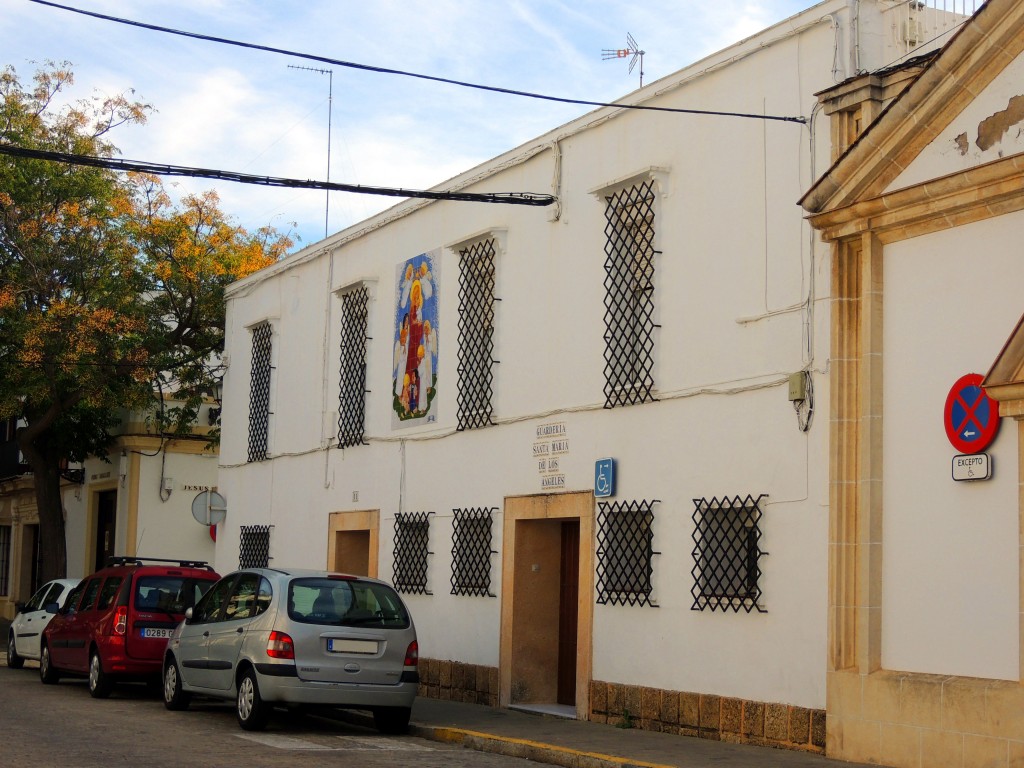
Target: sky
<point>223,107</point>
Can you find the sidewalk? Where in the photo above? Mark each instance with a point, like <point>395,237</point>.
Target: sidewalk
<point>575,744</point>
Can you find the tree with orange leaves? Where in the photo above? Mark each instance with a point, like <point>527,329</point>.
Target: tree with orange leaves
<point>111,296</point>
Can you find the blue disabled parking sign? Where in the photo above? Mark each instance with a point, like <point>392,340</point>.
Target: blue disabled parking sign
<point>604,478</point>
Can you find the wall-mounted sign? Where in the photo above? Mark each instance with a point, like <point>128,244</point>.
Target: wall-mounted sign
<point>551,443</point>
<point>209,508</point>
<point>971,417</point>
<point>604,478</point>
<point>973,466</point>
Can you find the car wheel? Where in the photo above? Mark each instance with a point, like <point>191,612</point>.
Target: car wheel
<point>100,684</point>
<point>392,720</point>
<point>252,710</point>
<point>46,671</point>
<point>14,661</point>
<point>174,698</point>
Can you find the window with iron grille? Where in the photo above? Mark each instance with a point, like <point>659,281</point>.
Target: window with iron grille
<point>471,552</point>
<point>727,547</point>
<point>412,536</point>
<point>259,393</point>
<point>476,335</point>
<point>5,559</point>
<point>254,546</point>
<point>625,552</point>
<point>352,395</point>
<point>629,296</point>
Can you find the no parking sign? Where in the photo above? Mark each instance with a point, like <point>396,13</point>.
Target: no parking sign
<point>971,417</point>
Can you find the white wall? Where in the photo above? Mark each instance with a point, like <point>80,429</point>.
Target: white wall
<point>950,564</point>
<point>736,269</point>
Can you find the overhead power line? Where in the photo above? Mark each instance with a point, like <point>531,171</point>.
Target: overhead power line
<point>434,78</point>
<point>506,198</point>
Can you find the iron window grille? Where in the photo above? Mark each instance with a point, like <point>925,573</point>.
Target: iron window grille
<point>629,296</point>
<point>471,552</point>
<point>254,546</point>
<point>625,553</point>
<point>476,335</point>
<point>727,548</point>
<point>412,537</point>
<point>259,392</point>
<point>5,559</point>
<point>352,394</point>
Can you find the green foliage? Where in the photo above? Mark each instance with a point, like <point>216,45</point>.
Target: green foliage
<point>111,297</point>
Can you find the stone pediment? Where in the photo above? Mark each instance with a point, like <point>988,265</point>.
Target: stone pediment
<point>964,112</point>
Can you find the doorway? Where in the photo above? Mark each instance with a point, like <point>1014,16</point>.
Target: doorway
<point>547,612</point>
<point>352,542</point>
<point>106,526</point>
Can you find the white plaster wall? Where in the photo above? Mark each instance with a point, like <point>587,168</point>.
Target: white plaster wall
<point>166,529</point>
<point>950,564</point>
<point>74,532</point>
<point>944,155</point>
<point>737,263</point>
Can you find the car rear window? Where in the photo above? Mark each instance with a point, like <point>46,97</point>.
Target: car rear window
<point>345,603</point>
<point>110,587</point>
<point>169,594</point>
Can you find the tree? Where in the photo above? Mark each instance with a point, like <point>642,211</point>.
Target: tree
<point>110,295</point>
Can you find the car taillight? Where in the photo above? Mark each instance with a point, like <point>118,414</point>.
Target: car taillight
<point>280,646</point>
<point>120,619</point>
<point>412,655</point>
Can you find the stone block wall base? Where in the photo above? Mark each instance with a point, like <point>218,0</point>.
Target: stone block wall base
<point>707,716</point>
<point>457,681</point>
<point>700,715</point>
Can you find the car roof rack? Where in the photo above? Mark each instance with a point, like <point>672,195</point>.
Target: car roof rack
<point>132,560</point>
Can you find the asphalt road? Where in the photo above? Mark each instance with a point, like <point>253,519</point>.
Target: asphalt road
<point>47,726</point>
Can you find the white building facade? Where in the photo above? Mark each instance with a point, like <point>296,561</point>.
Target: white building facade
<point>589,441</point>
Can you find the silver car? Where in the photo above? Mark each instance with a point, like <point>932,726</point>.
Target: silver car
<point>295,637</point>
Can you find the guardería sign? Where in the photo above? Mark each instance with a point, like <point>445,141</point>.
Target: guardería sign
<point>971,417</point>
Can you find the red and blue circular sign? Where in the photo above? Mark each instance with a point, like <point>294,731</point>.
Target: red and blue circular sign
<point>971,417</point>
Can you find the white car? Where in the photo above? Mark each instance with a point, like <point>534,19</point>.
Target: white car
<point>27,627</point>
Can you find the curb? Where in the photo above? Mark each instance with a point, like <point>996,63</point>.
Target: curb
<point>538,752</point>
<point>529,750</point>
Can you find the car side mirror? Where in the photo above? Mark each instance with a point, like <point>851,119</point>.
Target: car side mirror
<point>188,615</point>
<point>19,607</point>
<point>51,607</point>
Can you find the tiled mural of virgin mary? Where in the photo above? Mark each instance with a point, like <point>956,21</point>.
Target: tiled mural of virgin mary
<point>414,365</point>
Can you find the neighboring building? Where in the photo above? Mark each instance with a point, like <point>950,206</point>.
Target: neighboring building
<point>925,213</point>
<point>587,442</point>
<point>138,502</point>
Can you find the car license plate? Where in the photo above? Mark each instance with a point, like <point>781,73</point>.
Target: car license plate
<point>156,632</point>
<point>338,645</point>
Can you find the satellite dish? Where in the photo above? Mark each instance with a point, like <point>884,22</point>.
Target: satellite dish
<point>209,508</point>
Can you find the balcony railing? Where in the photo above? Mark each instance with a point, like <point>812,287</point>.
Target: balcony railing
<point>925,24</point>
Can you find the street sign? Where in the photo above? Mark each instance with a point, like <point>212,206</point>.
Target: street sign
<point>209,508</point>
<point>604,478</point>
<point>971,417</point>
<point>974,466</point>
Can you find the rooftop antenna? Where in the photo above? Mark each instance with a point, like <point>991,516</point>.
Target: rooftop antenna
<point>632,49</point>
<point>330,109</point>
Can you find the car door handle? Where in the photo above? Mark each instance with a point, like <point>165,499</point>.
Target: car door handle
<point>206,634</point>
<point>239,630</point>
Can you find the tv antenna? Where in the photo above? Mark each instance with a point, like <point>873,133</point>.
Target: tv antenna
<point>330,109</point>
<point>632,49</point>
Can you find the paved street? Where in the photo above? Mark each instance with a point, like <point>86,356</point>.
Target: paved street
<point>61,725</point>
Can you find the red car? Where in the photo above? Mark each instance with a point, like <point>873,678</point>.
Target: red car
<point>115,624</point>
